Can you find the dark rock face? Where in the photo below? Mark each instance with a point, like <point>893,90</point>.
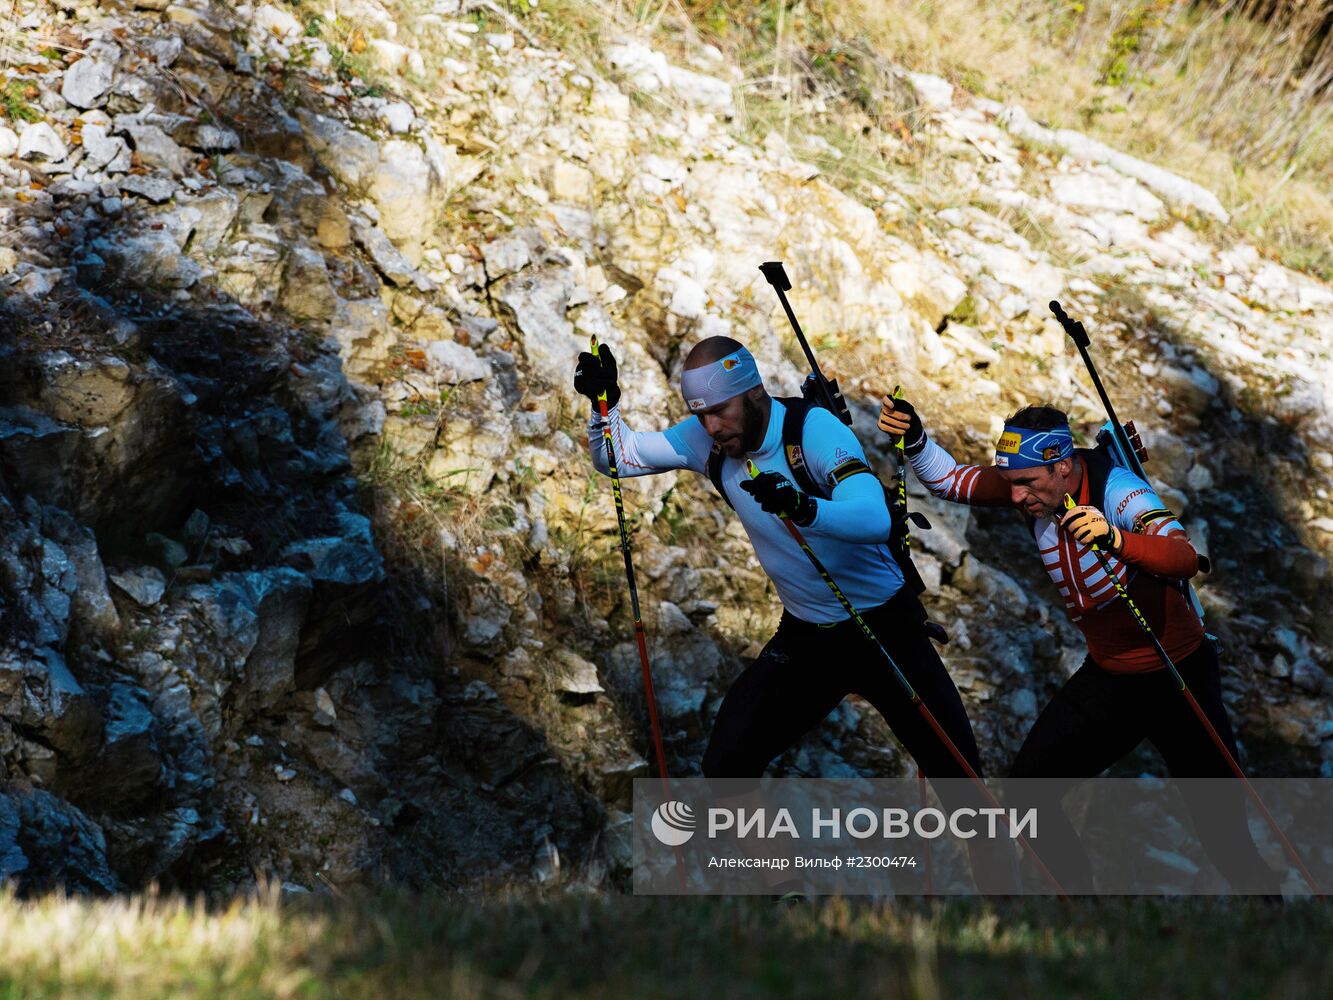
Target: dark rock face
<point>46,843</point>
<point>197,674</point>
<point>107,443</point>
<point>200,677</point>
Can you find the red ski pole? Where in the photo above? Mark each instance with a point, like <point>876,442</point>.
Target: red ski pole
<point>915,698</point>
<point>1287,846</point>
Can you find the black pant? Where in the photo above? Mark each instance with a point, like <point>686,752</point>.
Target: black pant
<point>806,670</point>
<point>1099,717</point>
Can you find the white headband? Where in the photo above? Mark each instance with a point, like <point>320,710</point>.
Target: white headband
<point>717,382</point>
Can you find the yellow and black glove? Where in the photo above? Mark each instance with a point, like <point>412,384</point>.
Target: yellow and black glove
<point>595,375</point>
<point>1089,526</point>
<point>777,494</point>
<point>898,418</point>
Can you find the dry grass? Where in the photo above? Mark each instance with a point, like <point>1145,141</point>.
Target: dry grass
<point>1240,107</point>
<point>1205,92</point>
<point>598,946</point>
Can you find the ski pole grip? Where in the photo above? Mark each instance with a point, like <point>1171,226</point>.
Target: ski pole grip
<point>775,275</point>
<point>1072,327</point>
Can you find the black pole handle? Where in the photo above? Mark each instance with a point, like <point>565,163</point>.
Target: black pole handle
<point>1072,326</point>
<point>776,275</point>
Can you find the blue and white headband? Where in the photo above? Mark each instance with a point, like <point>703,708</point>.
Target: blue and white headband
<point>717,382</point>
<point>1021,448</point>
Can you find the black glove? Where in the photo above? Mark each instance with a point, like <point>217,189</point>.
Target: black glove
<point>778,495</point>
<point>595,375</point>
<point>891,421</point>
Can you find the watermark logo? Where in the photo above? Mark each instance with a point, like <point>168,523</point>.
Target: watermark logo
<point>673,823</point>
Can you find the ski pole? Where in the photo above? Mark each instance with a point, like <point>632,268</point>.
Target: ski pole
<point>1075,331</point>
<point>776,275</point>
<point>1198,710</point>
<point>930,867</point>
<point>629,577</point>
<point>906,518</point>
<point>1125,439</point>
<point>910,691</point>
<point>639,637</point>
<point>900,448</point>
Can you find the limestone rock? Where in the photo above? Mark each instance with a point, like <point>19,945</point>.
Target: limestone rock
<point>307,292</point>
<point>157,149</point>
<point>574,674</point>
<point>145,584</point>
<point>87,81</point>
<point>453,363</point>
<point>344,152</point>
<point>151,256</point>
<point>92,393</point>
<point>397,116</point>
<point>207,137</point>
<point>932,91</point>
<point>505,256</point>
<point>999,587</point>
<point>217,212</point>
<point>276,22</point>
<point>155,188</point>
<point>39,141</point>
<point>350,559</point>
<point>396,58</point>
<point>130,757</point>
<point>570,182</point>
<point>92,611</point>
<point>361,329</point>
<point>1167,185</point>
<point>104,151</point>
<point>538,297</point>
<point>333,230</point>
<point>1101,188</point>
<point>389,261</point>
<point>649,70</point>
<point>49,843</point>
<point>401,188</point>
<point>278,599</point>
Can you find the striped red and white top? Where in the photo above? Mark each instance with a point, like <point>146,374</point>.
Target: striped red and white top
<point>1155,554</point>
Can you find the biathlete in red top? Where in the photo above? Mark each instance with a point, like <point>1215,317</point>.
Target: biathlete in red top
<point>1122,694</point>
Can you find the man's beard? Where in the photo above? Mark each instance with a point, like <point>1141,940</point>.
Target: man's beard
<point>752,424</point>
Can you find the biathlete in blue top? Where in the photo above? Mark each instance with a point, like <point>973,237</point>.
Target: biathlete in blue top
<point>818,655</point>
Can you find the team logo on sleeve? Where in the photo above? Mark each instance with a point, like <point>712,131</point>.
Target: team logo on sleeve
<point>1120,507</point>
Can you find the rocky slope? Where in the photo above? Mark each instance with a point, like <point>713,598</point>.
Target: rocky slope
<point>303,573</point>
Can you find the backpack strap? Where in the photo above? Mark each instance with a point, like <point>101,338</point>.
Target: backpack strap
<point>715,458</point>
<point>1099,464</point>
<point>793,433</point>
